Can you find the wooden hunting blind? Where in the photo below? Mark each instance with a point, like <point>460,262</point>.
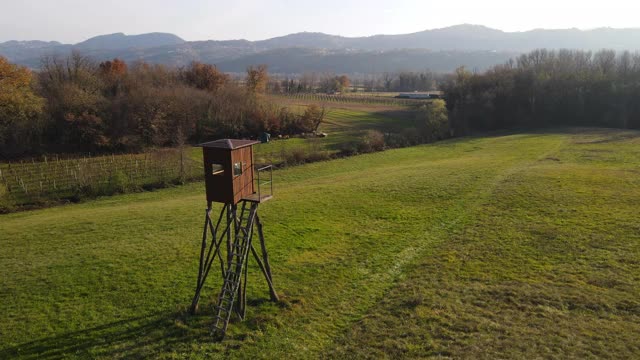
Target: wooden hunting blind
<point>229,171</point>
<point>232,178</point>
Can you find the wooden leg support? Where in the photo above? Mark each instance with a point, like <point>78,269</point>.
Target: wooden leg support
<point>196,297</point>
<point>210,252</point>
<point>266,267</point>
<point>207,260</point>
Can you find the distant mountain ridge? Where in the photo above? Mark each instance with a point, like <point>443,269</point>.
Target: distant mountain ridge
<point>471,38</point>
<point>438,49</point>
<point>122,41</point>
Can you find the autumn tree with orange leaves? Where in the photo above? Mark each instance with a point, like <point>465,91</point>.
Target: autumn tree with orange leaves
<point>115,67</point>
<point>113,73</point>
<point>19,106</point>
<point>257,79</point>
<point>205,76</point>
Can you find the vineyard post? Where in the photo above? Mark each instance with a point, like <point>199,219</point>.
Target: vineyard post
<point>181,163</point>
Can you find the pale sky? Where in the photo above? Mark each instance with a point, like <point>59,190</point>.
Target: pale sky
<point>71,21</point>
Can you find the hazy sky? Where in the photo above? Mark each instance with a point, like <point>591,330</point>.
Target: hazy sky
<point>72,21</point>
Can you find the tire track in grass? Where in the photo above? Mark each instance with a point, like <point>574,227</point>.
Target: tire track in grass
<point>484,310</point>
<point>351,308</point>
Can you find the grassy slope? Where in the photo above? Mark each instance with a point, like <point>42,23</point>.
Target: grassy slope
<point>548,267</point>
<point>504,246</point>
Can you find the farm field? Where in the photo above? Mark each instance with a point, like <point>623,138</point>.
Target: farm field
<point>30,183</point>
<point>344,123</point>
<point>512,245</point>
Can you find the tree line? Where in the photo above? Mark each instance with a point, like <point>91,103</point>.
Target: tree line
<point>74,104</point>
<point>548,88</point>
<point>329,83</point>
<point>310,83</point>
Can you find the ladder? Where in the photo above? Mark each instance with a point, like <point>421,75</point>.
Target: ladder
<point>237,257</point>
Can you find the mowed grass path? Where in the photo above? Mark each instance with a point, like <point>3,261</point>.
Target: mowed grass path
<point>514,245</point>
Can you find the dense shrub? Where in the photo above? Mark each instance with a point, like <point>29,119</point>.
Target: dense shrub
<point>118,183</point>
<point>313,152</point>
<point>373,140</point>
<point>407,137</point>
<point>295,156</point>
<point>310,120</point>
<point>349,148</point>
<point>6,205</point>
<point>434,120</point>
<point>4,199</point>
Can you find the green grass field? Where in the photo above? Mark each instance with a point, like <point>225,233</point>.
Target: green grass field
<point>504,246</point>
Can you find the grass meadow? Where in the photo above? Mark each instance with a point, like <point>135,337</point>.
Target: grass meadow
<point>345,123</point>
<point>511,245</point>
<point>343,126</point>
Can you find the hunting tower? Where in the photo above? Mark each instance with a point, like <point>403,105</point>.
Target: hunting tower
<point>232,178</point>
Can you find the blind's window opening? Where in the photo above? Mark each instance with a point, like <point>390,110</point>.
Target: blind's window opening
<point>217,169</point>
<point>237,169</point>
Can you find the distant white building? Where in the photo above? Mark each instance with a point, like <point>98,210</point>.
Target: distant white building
<point>420,95</point>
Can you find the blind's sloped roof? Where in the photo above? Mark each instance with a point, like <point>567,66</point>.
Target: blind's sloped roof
<point>230,144</point>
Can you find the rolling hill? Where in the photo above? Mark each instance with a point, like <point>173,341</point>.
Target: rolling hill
<point>122,41</point>
<point>473,46</point>
<point>300,60</point>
